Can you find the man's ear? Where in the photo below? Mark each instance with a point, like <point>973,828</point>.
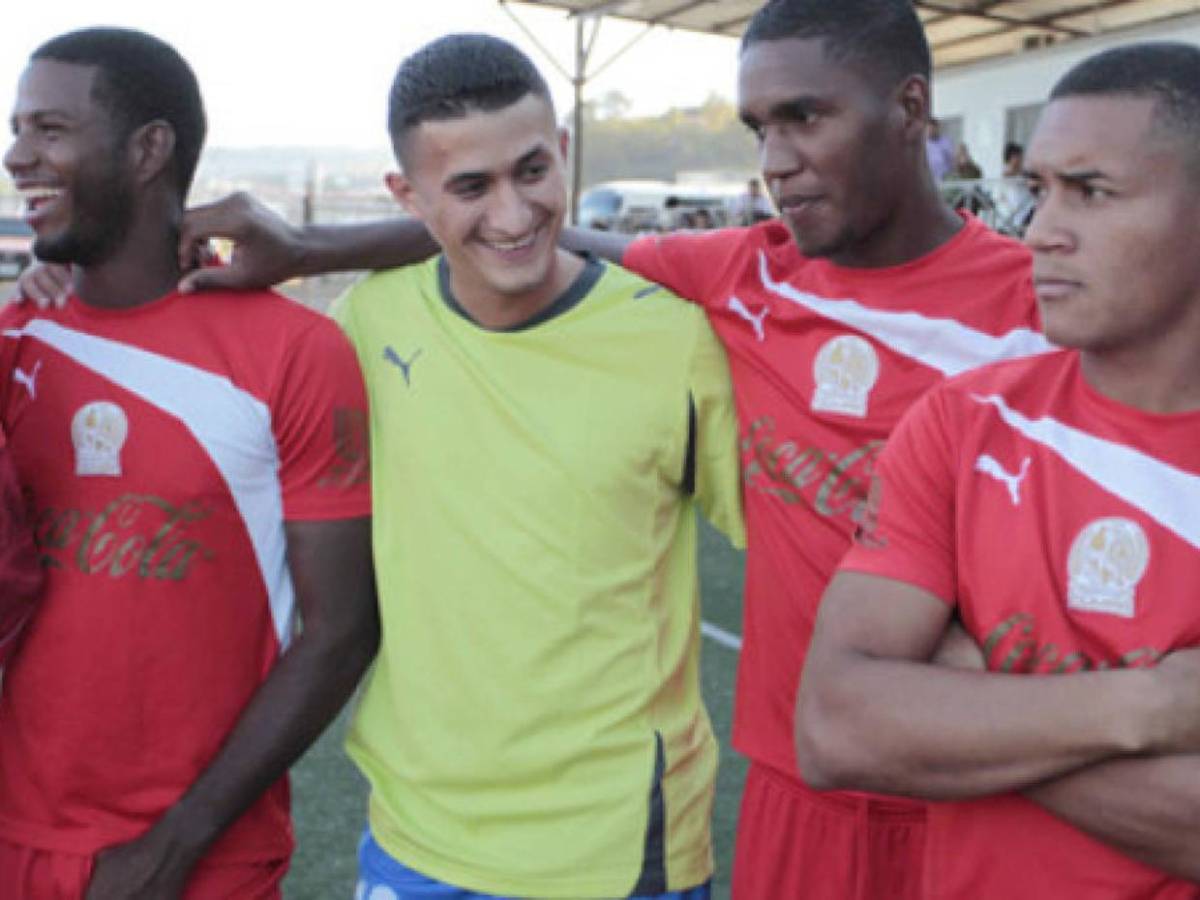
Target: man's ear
<point>912,106</point>
<point>402,189</point>
<point>151,150</point>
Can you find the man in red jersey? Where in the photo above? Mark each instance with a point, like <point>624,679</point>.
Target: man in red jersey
<point>198,472</point>
<point>837,317</point>
<point>1051,502</point>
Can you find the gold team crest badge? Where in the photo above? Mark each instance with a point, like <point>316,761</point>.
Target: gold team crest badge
<point>845,371</point>
<point>1107,561</point>
<point>98,431</point>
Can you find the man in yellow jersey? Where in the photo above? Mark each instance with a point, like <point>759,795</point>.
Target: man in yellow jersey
<point>542,425</point>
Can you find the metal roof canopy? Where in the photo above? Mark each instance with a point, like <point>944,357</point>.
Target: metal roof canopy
<point>959,31</point>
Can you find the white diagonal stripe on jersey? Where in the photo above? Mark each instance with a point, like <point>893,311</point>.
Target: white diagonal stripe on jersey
<point>220,416</point>
<point>1168,495</point>
<point>943,344</point>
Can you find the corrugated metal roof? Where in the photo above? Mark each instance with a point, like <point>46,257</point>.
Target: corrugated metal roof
<point>960,31</point>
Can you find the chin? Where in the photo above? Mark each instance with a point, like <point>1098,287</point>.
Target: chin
<point>820,244</point>
<point>1068,338</point>
<point>57,248</point>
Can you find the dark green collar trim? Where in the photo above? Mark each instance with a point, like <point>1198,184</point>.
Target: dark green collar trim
<point>593,269</point>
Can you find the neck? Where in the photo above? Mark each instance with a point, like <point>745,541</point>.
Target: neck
<point>918,224</point>
<point>497,311</point>
<point>143,268</point>
<point>1164,380</point>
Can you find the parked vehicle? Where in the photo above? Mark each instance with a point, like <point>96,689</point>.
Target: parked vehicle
<point>641,205</point>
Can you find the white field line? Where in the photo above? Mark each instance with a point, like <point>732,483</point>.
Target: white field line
<point>721,636</point>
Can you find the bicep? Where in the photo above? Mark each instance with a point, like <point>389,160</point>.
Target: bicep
<point>879,617</point>
<point>331,568</point>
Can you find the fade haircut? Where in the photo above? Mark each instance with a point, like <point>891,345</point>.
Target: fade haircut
<point>456,75</point>
<point>1166,72</point>
<point>139,79</point>
<point>880,37</point>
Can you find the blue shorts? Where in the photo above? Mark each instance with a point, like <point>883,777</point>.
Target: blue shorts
<point>380,877</point>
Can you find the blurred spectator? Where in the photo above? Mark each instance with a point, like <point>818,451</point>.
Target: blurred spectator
<point>702,219</point>
<point>1014,203</point>
<point>1014,160</point>
<point>965,168</point>
<point>939,150</point>
<point>753,206</point>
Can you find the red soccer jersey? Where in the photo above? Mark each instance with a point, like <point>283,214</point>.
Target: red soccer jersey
<point>20,574</point>
<point>824,361</point>
<point>164,446</point>
<point>1063,526</point>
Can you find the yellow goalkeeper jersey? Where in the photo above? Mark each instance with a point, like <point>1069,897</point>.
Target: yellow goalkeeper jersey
<point>533,724</point>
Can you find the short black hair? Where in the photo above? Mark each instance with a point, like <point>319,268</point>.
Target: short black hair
<point>885,37</point>
<point>1167,72</point>
<point>1013,150</point>
<point>139,79</point>
<point>456,75</point>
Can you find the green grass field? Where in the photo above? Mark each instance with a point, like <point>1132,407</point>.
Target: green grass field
<point>329,797</point>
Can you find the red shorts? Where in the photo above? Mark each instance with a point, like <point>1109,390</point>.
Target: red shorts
<point>27,873</point>
<point>794,843</point>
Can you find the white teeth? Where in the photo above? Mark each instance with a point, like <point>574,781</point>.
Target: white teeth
<point>36,196</point>
<point>508,246</point>
<point>30,194</point>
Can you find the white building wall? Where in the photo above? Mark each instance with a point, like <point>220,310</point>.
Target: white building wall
<point>981,93</point>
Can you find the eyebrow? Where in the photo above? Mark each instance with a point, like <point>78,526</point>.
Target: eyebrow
<point>1069,177</point>
<point>792,108</point>
<point>526,157</point>
<point>39,115</point>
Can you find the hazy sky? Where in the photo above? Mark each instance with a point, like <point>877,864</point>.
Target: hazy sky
<point>317,73</point>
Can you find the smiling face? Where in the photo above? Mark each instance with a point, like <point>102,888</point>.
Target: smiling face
<point>1114,236</point>
<point>830,143</point>
<point>490,187</point>
<point>66,161</point>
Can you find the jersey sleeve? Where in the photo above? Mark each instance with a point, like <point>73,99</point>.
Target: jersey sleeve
<point>321,421</point>
<point>20,572</point>
<point>907,532</point>
<point>718,485</point>
<point>687,263</point>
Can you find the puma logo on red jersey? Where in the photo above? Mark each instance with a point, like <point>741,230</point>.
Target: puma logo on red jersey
<point>28,380</point>
<point>989,466</point>
<point>739,308</point>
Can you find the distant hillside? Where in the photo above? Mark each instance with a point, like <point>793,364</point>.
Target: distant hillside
<point>704,138</point>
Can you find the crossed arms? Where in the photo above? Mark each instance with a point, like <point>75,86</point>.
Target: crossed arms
<point>1110,752</point>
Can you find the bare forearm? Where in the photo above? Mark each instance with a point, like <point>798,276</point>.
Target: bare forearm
<point>912,728</point>
<point>604,244</point>
<point>386,244</point>
<point>1147,808</point>
<point>299,698</point>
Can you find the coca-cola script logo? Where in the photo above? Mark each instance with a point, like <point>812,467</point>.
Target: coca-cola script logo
<point>136,534</point>
<point>1014,646</point>
<point>839,483</point>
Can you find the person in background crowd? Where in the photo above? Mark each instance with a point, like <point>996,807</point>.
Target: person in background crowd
<point>939,151</point>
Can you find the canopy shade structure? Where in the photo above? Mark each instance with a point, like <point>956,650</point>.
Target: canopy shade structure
<point>959,31</point>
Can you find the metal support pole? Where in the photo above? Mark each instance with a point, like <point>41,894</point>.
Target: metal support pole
<point>577,131</point>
